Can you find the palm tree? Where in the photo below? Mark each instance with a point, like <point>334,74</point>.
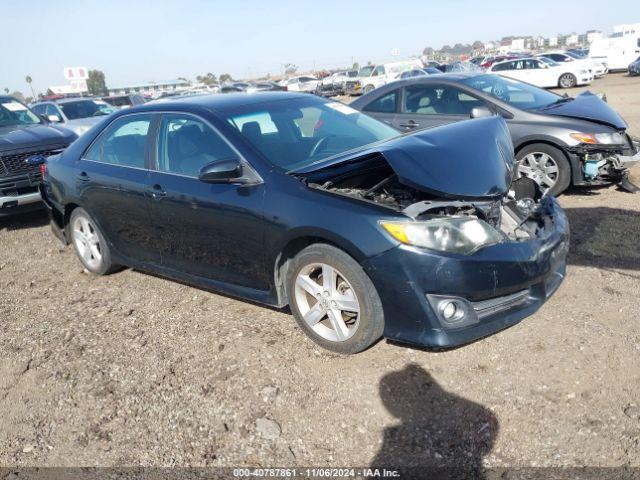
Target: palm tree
<point>28,79</point>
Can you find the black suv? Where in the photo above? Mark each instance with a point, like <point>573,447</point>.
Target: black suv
<point>26,141</point>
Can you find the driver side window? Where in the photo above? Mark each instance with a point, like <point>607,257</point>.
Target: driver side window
<point>186,144</point>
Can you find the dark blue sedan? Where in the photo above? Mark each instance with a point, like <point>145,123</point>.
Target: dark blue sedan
<point>290,199</point>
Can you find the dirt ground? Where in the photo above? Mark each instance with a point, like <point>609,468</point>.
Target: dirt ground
<point>132,369</point>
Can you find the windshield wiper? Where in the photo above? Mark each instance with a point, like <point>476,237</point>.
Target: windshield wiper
<point>558,102</point>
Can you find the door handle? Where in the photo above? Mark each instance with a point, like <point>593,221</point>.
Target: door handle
<point>410,124</point>
<point>156,192</point>
<point>83,176</point>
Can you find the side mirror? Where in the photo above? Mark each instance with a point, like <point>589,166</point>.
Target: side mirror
<point>225,170</point>
<point>54,118</point>
<point>480,112</point>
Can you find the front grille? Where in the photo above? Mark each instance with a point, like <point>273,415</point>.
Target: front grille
<point>16,164</point>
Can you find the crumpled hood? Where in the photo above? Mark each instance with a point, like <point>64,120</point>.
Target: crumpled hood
<point>24,136</point>
<point>588,106</point>
<point>469,159</point>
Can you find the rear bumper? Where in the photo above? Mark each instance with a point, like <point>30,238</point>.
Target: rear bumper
<point>500,285</point>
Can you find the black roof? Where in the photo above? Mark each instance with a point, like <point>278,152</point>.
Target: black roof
<point>221,101</point>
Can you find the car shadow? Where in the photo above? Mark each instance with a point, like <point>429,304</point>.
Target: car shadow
<point>604,237</point>
<point>439,434</point>
<point>36,218</point>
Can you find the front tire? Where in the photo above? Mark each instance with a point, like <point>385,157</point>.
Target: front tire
<point>367,89</point>
<point>567,80</point>
<point>545,165</point>
<point>89,243</point>
<point>333,300</point>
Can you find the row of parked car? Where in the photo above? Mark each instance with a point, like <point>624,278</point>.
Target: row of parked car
<point>547,70</point>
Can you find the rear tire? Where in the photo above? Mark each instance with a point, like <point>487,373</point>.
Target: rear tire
<point>542,163</point>
<point>567,80</point>
<point>342,314</point>
<point>89,243</point>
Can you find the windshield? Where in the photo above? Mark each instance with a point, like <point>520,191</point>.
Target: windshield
<point>518,94</point>
<point>366,71</point>
<point>85,109</point>
<point>297,132</point>
<point>548,61</point>
<point>13,113</point>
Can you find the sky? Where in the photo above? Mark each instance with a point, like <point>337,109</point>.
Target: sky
<point>136,41</point>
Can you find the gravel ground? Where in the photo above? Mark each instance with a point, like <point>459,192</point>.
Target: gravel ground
<point>132,369</point>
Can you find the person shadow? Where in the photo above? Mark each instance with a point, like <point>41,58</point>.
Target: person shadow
<point>440,435</point>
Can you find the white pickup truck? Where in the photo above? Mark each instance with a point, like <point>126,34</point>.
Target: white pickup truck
<point>374,76</point>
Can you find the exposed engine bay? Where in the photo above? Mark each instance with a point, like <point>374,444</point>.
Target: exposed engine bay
<point>518,215</point>
<point>601,164</point>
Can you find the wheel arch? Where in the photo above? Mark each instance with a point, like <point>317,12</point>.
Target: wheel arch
<point>550,141</point>
<point>296,243</point>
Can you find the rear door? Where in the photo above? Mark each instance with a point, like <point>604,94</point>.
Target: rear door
<point>209,230</point>
<point>111,179</point>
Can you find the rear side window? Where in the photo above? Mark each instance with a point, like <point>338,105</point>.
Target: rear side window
<point>123,143</point>
<point>385,104</point>
<point>186,144</point>
<point>503,66</point>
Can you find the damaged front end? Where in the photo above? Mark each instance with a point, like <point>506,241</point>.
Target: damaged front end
<point>460,197</point>
<point>603,164</point>
<point>475,252</point>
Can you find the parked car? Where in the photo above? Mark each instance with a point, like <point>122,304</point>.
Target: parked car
<point>418,72</point>
<point>374,76</point>
<point>124,101</point>
<point>25,142</point>
<point>634,67</point>
<point>543,72</point>
<point>558,140</point>
<point>265,87</point>
<point>77,114</point>
<point>490,60</point>
<point>598,69</point>
<point>284,198</point>
<point>335,84</point>
<point>302,83</point>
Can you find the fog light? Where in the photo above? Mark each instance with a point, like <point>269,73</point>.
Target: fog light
<point>452,312</point>
<point>448,310</point>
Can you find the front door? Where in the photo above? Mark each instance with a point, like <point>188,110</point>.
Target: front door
<point>214,231</point>
<point>431,105</point>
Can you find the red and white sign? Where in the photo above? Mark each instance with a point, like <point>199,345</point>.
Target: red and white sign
<point>76,73</point>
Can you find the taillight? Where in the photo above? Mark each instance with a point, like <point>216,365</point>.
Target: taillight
<point>43,168</point>
<point>286,88</point>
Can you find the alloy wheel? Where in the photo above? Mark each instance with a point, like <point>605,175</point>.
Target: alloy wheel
<point>541,168</point>
<point>567,81</point>
<point>87,242</point>
<point>327,302</point>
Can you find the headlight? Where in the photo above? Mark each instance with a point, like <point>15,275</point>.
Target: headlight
<point>601,138</point>
<point>463,235</point>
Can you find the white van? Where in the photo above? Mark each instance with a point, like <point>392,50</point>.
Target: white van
<point>374,76</point>
<point>616,52</point>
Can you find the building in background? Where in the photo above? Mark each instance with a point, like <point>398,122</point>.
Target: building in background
<point>153,89</point>
<point>628,29</point>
